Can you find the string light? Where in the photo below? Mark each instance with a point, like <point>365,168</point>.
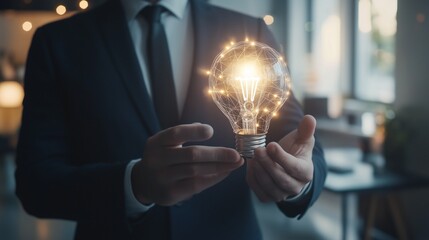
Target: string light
<point>27,26</point>
<point>61,10</point>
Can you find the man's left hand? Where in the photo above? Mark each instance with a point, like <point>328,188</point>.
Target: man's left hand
<point>282,169</point>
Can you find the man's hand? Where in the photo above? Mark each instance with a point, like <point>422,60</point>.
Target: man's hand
<point>169,173</point>
<point>282,169</point>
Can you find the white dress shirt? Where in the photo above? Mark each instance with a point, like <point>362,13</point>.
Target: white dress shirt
<point>180,36</point>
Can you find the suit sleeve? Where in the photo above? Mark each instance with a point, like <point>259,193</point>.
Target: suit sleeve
<point>290,116</point>
<point>48,182</point>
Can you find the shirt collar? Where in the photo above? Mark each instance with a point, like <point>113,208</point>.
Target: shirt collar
<point>133,7</point>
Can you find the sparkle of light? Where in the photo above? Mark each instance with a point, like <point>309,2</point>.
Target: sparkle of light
<point>83,4</point>
<point>61,10</point>
<point>268,19</point>
<point>27,26</point>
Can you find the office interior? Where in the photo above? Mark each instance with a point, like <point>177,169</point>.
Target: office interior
<point>359,66</point>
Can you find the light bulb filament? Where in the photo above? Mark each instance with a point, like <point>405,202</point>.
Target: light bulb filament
<point>249,84</point>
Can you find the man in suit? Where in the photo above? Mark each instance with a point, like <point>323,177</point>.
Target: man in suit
<point>93,147</point>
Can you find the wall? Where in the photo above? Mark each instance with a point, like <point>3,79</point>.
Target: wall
<point>412,86</point>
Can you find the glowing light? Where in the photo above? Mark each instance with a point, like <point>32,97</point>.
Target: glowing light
<point>249,78</point>
<point>252,74</point>
<point>11,94</point>
<point>208,72</point>
<point>268,19</point>
<point>368,123</point>
<point>83,4</point>
<point>61,10</point>
<point>27,26</point>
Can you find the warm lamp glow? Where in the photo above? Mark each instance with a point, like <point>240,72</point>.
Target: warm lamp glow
<point>27,26</point>
<point>83,4</point>
<point>11,94</point>
<point>61,10</point>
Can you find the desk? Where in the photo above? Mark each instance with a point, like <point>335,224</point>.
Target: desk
<point>349,184</point>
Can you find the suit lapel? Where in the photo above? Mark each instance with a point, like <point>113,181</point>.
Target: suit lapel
<point>116,37</point>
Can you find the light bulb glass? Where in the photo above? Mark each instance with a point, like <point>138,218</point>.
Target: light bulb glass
<point>249,82</point>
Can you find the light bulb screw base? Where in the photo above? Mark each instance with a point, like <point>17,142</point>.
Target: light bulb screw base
<point>246,144</point>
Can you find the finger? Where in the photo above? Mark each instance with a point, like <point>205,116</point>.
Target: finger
<point>202,154</point>
<point>283,181</point>
<point>254,185</point>
<point>306,129</point>
<point>180,134</point>
<point>267,184</point>
<point>301,140</point>
<point>183,171</point>
<point>299,169</point>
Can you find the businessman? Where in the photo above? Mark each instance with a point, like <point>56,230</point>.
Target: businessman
<point>119,134</point>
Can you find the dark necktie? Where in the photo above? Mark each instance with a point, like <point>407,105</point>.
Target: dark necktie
<point>160,70</point>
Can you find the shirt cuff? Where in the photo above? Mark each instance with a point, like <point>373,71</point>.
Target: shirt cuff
<point>301,194</point>
<point>133,207</point>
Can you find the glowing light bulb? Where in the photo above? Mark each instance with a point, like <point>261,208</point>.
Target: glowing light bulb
<point>249,82</point>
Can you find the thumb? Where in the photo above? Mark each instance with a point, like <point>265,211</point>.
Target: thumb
<point>306,129</point>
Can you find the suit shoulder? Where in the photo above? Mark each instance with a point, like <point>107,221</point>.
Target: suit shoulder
<point>69,24</point>
<point>228,13</point>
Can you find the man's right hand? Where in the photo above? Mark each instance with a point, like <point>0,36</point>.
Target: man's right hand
<point>169,173</point>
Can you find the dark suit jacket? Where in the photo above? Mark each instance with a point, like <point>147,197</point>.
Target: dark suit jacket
<point>87,114</point>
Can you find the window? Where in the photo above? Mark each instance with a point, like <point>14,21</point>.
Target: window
<point>375,50</point>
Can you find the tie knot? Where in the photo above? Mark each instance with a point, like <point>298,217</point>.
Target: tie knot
<point>152,13</point>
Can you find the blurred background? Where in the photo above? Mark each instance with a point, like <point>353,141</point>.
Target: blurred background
<point>359,66</point>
